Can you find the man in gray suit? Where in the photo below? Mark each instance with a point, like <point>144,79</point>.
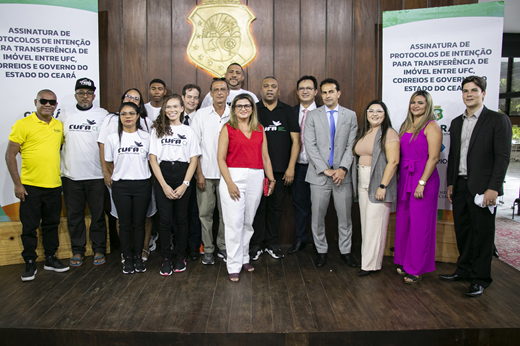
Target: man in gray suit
<point>329,135</point>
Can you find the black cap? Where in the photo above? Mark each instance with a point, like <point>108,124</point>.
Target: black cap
<point>85,83</point>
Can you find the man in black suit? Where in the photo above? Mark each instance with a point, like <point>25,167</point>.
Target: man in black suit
<point>306,88</point>
<point>477,165</point>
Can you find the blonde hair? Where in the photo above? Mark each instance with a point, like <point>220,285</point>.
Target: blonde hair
<point>428,114</point>
<point>254,125</point>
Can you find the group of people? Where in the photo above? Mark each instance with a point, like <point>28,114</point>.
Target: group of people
<point>239,154</point>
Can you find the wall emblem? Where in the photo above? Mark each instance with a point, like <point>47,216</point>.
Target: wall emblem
<point>437,111</point>
<point>221,35</point>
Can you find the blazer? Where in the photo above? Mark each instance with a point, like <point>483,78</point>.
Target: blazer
<point>488,153</point>
<point>317,143</point>
<point>377,168</point>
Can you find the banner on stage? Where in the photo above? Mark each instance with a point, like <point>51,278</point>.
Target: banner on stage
<point>44,44</point>
<point>434,49</point>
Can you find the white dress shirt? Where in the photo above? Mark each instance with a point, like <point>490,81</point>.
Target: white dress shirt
<point>302,157</point>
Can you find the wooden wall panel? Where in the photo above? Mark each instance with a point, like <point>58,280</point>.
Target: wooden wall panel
<point>366,16</point>
<point>339,62</point>
<point>287,44</point>
<point>313,42</point>
<point>262,29</point>
<point>158,48</point>
<point>411,4</point>
<point>111,74</point>
<point>183,71</point>
<point>439,3</point>
<point>134,45</point>
<point>204,79</point>
<point>385,5</point>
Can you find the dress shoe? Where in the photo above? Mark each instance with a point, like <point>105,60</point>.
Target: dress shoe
<point>349,260</point>
<point>363,272</point>
<point>297,246</point>
<point>474,290</point>
<point>321,259</point>
<point>451,277</point>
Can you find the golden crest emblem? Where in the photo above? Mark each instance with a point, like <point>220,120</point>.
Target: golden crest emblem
<point>221,35</point>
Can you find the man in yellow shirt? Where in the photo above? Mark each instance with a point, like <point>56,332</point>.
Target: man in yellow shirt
<point>38,138</point>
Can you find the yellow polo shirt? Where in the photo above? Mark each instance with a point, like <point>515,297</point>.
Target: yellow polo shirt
<point>40,145</point>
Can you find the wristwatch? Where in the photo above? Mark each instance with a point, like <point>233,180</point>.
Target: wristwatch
<point>185,182</point>
<point>381,186</point>
<point>422,182</point>
<point>343,168</point>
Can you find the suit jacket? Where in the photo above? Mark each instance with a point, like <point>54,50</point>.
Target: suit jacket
<point>488,152</point>
<point>317,143</point>
<point>377,169</point>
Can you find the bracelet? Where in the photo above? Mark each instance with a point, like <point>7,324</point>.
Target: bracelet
<point>272,181</point>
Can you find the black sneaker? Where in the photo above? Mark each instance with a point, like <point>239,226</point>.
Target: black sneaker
<point>166,267</point>
<point>180,265</point>
<point>128,265</point>
<point>139,264</point>
<point>274,251</point>
<point>222,254</point>
<point>30,271</point>
<point>255,252</point>
<point>194,255</point>
<point>52,263</point>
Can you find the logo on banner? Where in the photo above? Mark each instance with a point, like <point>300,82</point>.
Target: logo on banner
<point>437,110</point>
<point>221,35</point>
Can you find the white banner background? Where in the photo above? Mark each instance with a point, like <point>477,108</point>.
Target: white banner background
<point>22,73</point>
<point>472,44</point>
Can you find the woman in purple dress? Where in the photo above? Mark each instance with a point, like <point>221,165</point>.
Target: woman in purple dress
<point>417,190</point>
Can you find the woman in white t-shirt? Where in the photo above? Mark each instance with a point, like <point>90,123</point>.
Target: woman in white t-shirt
<point>174,149</point>
<point>126,154</point>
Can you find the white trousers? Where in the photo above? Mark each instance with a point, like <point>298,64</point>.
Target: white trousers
<point>239,215</point>
<point>374,224</point>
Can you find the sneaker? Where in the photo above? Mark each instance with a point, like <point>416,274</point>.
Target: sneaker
<point>222,254</point>
<point>128,265</point>
<point>194,255</point>
<point>180,265</point>
<point>208,259</point>
<point>139,264</point>
<point>166,267</point>
<point>274,251</point>
<point>201,249</point>
<point>52,263</point>
<point>255,252</point>
<point>30,271</point>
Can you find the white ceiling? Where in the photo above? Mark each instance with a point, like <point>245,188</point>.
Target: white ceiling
<point>511,17</point>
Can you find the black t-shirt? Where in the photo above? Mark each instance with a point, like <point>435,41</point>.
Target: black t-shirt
<point>278,125</point>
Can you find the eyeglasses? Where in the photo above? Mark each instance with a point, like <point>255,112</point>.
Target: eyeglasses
<point>83,94</point>
<point>43,102</point>
<point>379,111</point>
<point>240,107</point>
<point>129,113</point>
<point>305,88</point>
<point>137,98</point>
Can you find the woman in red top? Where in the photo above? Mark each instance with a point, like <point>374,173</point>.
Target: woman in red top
<point>242,159</point>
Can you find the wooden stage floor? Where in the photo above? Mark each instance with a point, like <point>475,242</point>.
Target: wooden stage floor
<point>284,302</point>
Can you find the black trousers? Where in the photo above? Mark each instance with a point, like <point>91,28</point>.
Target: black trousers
<point>41,204</point>
<point>475,232</point>
<point>193,218</point>
<point>77,193</point>
<point>131,198</point>
<point>268,215</point>
<point>173,173</point>
<point>301,196</point>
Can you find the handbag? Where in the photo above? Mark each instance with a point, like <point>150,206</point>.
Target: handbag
<point>266,186</point>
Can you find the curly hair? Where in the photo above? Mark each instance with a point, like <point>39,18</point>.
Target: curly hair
<point>162,123</point>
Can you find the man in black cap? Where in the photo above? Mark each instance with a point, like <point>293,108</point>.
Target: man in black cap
<point>82,177</point>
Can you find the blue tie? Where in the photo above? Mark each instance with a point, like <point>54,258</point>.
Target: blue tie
<point>332,133</point>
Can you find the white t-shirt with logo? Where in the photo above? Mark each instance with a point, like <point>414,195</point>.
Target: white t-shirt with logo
<point>130,157</point>
<point>110,126</point>
<point>152,111</point>
<point>80,152</point>
<point>181,146</point>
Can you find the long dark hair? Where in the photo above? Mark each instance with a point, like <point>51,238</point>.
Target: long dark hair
<point>365,125</point>
<point>120,124</point>
<point>142,109</point>
<point>162,123</point>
